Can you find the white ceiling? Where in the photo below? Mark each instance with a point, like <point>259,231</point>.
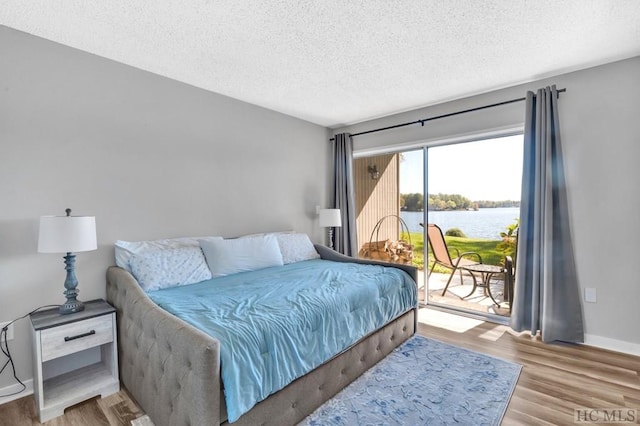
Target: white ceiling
<point>336,62</point>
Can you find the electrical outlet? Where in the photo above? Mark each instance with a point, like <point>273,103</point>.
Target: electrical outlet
<point>9,330</point>
<point>590,295</point>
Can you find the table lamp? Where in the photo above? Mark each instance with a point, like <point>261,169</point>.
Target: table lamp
<point>68,234</point>
<point>330,218</point>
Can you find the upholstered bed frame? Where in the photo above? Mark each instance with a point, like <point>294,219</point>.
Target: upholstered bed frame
<point>173,370</point>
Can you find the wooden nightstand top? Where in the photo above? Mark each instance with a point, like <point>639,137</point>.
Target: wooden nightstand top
<point>51,317</point>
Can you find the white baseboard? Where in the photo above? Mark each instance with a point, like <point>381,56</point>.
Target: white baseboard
<point>612,344</point>
<point>15,388</point>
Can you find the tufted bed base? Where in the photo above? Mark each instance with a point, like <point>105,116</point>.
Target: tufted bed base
<point>173,370</point>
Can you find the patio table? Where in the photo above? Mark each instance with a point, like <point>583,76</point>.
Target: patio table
<point>486,273</point>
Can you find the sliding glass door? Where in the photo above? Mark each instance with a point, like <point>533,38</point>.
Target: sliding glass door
<point>473,200</point>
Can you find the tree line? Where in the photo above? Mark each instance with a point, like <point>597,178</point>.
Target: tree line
<point>439,202</point>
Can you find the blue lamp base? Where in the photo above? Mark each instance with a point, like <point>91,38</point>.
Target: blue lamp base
<point>72,305</point>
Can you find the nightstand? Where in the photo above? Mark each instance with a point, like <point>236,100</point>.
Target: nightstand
<point>75,357</point>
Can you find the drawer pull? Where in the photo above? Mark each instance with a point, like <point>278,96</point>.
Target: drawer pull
<point>79,336</point>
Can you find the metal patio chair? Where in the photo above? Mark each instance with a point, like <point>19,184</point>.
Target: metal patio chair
<point>442,256</point>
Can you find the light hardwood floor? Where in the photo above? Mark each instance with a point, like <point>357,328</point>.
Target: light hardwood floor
<point>555,379</point>
<point>117,409</point>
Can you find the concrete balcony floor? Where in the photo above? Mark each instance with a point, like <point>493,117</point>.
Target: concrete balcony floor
<point>456,293</point>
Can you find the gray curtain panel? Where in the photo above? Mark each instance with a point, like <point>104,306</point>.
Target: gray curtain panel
<point>547,295</point>
<point>345,239</point>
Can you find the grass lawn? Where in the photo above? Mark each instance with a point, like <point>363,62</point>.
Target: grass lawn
<point>486,248</point>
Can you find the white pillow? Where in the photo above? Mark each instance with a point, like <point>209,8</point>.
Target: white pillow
<point>126,249</point>
<point>226,257</point>
<point>296,247</point>
<point>264,234</point>
<point>158,268</point>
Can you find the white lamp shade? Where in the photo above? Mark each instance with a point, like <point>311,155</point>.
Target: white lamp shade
<point>330,218</point>
<point>66,234</point>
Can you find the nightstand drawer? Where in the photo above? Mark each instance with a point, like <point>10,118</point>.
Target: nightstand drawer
<point>77,336</point>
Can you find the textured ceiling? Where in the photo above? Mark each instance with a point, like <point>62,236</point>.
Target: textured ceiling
<point>335,62</point>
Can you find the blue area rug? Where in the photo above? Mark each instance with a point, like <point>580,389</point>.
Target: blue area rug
<point>421,382</point>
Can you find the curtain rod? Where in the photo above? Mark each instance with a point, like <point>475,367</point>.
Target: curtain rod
<point>424,120</point>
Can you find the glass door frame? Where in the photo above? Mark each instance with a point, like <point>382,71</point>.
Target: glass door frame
<point>424,145</point>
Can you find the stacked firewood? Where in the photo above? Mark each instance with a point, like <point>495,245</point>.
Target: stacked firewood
<point>388,251</point>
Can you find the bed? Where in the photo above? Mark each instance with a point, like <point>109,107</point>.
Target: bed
<point>173,369</point>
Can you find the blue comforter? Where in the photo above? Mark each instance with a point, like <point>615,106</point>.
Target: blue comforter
<point>279,323</point>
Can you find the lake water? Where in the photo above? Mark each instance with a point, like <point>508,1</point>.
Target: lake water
<point>484,223</point>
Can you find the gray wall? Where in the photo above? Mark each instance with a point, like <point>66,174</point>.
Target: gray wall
<point>600,129</point>
<point>148,156</point>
